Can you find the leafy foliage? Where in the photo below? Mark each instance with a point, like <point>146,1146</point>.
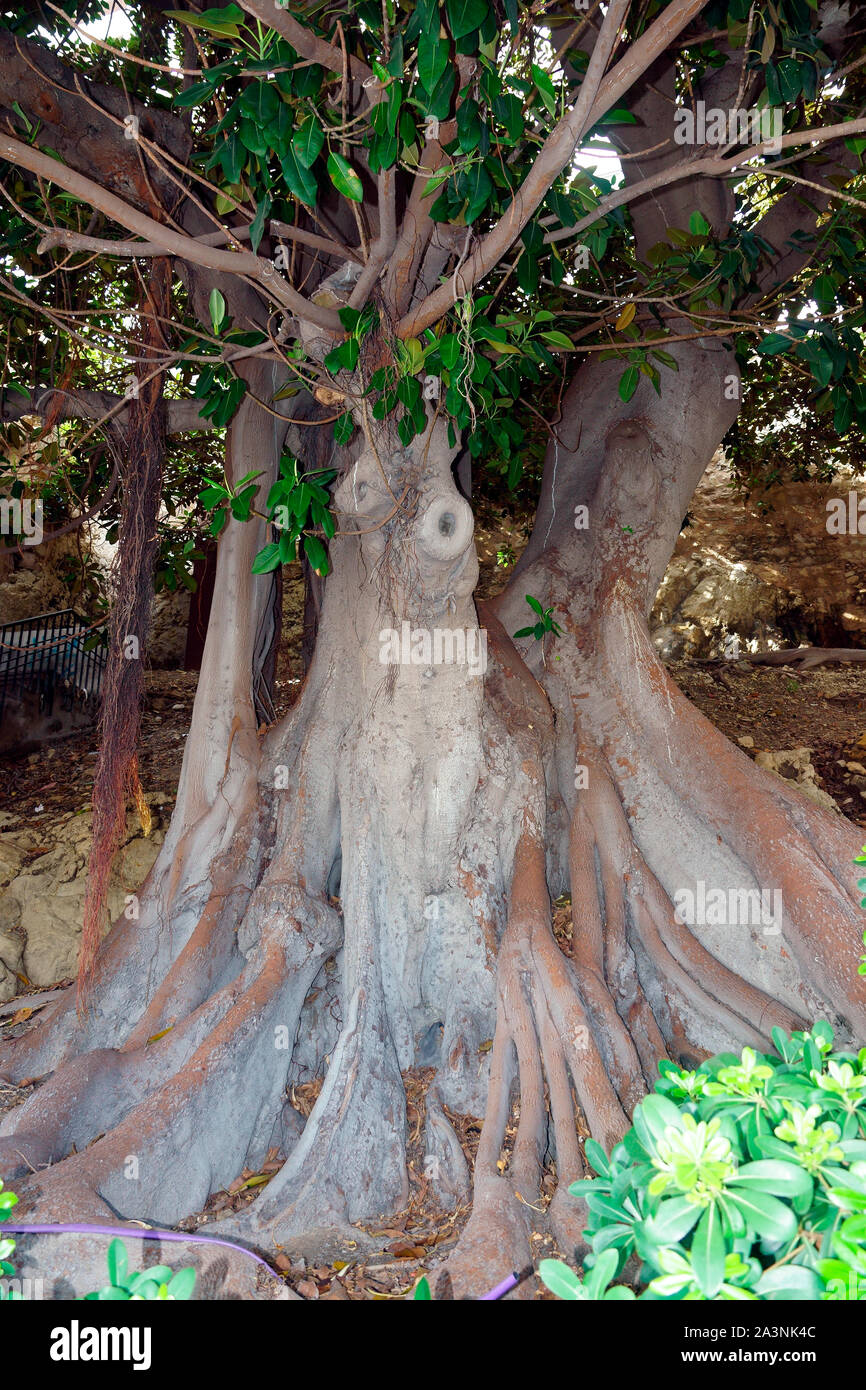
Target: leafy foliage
<point>7,1201</point>
<point>743,1179</point>
<point>297,506</point>
<point>545,624</point>
<point>157,1283</point>
<point>275,147</point>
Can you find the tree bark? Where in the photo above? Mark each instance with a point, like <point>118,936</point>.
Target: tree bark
<point>366,887</point>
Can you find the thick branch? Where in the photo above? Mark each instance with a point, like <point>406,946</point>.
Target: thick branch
<point>595,97</point>
<point>383,246</point>
<point>103,246</point>
<point>181,416</point>
<point>710,164</point>
<point>173,243</point>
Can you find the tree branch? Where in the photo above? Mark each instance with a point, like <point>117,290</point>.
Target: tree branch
<point>77,241</point>
<point>181,416</point>
<point>383,246</point>
<point>172,243</point>
<point>712,165</point>
<point>303,40</point>
<point>596,96</point>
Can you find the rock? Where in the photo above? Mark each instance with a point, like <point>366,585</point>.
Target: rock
<point>11,949</point>
<point>769,578</point>
<point>795,765</point>
<point>41,909</point>
<point>9,984</point>
<point>166,644</point>
<point>746,741</point>
<point>818,795</point>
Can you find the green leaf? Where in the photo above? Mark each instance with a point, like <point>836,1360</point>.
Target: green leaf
<point>316,554</point>
<point>434,182</point>
<point>708,1252</point>
<point>344,428</point>
<point>535,605</point>
<point>267,559</point>
<point>217,309</point>
<point>422,1288</point>
<point>195,95</point>
<point>561,1280</point>
<point>479,186</point>
<point>597,1279</point>
<point>788,1283</point>
<point>182,1284</point>
<point>307,141</point>
<point>118,1263</point>
<point>790,79</point>
<point>557,339</point>
<point>468,125</point>
<point>699,225</point>
<point>464,16</point>
<point>545,87</point>
<point>769,1175</point>
<point>432,58</point>
<point>769,1218</point>
<point>596,1157</point>
<point>449,351</point>
<point>674,1219</point>
<point>257,226</point>
<point>222,21</point>
<point>302,183</point>
<point>156,1272</point>
<point>775,342</point>
<point>344,178</point>
<point>628,383</point>
<point>259,101</point>
<point>824,293</point>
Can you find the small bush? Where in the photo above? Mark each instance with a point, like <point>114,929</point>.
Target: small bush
<point>744,1179</point>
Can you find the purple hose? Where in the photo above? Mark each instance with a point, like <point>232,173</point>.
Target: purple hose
<point>498,1291</point>
<point>136,1235</point>
<point>507,1284</point>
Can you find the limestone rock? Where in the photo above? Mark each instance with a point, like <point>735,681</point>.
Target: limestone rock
<point>41,907</point>
<point>795,765</point>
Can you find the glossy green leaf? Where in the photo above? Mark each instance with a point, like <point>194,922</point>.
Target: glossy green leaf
<point>344,177</point>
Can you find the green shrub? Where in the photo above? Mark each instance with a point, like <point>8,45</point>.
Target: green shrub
<point>7,1202</point>
<point>157,1282</point>
<point>744,1179</point>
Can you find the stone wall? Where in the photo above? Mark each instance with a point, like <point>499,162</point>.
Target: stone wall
<point>773,578</point>
<point>42,881</point>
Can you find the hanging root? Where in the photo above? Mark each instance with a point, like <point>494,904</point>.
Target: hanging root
<point>116,778</point>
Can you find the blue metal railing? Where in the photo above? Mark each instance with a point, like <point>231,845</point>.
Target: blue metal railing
<point>50,655</point>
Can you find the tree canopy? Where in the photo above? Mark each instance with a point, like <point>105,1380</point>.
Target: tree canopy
<point>393,201</point>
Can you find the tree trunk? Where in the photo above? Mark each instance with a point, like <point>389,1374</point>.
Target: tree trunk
<point>366,888</point>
